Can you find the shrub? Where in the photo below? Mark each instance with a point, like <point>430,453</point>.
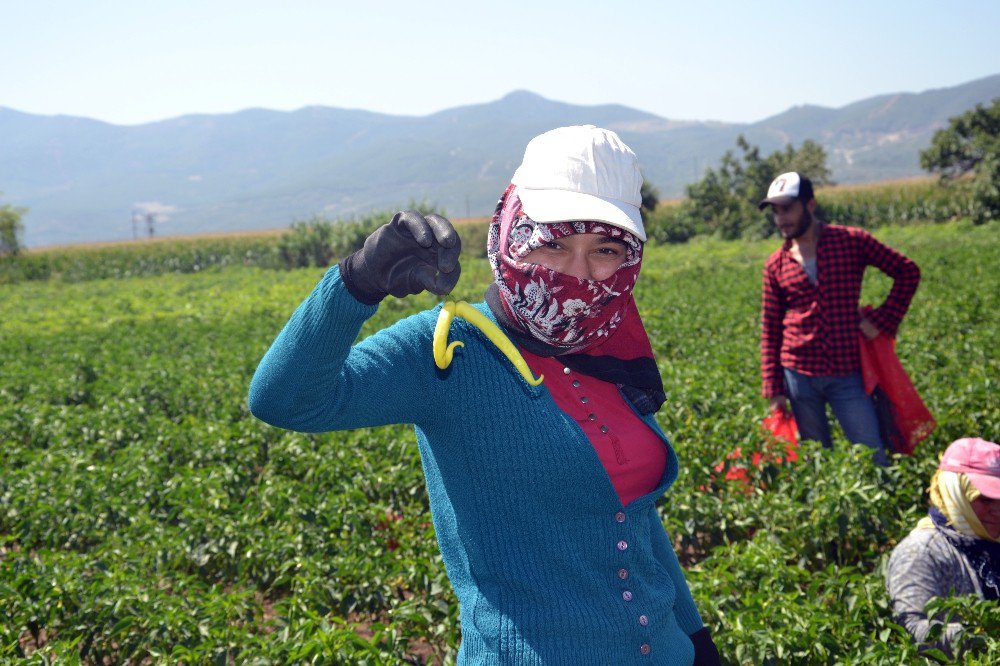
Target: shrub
<point>11,229</point>
<point>474,235</point>
<point>971,145</point>
<point>146,517</point>
<point>320,241</point>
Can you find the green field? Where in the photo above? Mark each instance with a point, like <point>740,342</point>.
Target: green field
<point>146,517</point>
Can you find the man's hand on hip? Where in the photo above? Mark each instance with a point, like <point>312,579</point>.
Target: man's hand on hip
<point>868,329</point>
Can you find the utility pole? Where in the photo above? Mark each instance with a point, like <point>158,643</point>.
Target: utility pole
<point>135,224</point>
<point>150,221</point>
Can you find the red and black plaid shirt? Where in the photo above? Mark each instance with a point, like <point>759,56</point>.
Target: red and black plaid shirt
<point>813,328</point>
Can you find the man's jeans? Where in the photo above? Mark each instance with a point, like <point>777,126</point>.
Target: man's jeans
<point>851,405</point>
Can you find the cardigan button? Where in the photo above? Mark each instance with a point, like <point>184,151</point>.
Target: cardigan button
<point>643,620</point>
<point>592,417</point>
<point>604,429</point>
<point>623,545</point>
<point>585,400</point>
<point>623,573</point>
<point>620,517</point>
<point>566,371</point>
<point>627,595</point>
<point>644,649</point>
<point>576,383</point>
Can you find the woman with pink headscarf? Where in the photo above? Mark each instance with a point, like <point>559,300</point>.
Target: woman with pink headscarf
<point>543,496</point>
<point>955,549</point>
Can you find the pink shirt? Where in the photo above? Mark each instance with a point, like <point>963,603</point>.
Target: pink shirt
<point>633,456</point>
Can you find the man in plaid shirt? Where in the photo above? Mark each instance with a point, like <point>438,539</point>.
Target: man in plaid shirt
<point>810,316</point>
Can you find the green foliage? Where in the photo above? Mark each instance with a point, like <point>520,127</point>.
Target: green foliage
<point>980,627</point>
<point>724,202</point>
<point>314,242</point>
<point>902,202</point>
<point>11,229</point>
<point>791,572</point>
<point>146,517</point>
<point>671,223</point>
<point>871,206</point>
<point>971,143</point>
<point>320,242</point>
<point>474,234</point>
<point>650,197</point>
<point>83,263</point>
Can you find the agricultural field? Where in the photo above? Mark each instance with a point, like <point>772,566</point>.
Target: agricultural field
<point>146,517</point>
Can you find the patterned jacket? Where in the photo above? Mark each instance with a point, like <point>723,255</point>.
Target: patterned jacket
<point>926,564</point>
<point>548,566</point>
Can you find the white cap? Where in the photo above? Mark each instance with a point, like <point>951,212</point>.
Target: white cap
<point>581,173</point>
<point>786,188</point>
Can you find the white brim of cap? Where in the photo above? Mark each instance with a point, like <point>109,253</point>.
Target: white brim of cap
<point>569,206</point>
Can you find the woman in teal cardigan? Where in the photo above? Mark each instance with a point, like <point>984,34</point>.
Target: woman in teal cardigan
<point>542,494</point>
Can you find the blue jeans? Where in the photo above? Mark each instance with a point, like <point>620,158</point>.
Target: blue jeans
<point>851,405</point>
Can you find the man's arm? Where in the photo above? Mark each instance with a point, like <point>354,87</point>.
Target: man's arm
<point>906,277</point>
<point>771,331</point>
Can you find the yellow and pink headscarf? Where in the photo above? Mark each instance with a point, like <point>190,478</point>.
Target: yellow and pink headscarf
<point>952,493</point>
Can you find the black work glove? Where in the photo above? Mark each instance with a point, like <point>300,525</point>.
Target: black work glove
<point>406,256</point>
<point>705,652</point>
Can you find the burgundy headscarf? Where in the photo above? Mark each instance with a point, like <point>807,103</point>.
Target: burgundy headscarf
<point>593,326</point>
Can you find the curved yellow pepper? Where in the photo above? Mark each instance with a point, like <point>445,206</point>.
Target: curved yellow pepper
<point>443,352</point>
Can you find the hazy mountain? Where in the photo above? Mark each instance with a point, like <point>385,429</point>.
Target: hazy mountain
<point>83,179</point>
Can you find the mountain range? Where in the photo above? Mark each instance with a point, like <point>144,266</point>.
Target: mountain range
<point>85,180</point>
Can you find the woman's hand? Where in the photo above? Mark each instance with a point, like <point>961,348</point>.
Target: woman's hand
<point>406,256</point>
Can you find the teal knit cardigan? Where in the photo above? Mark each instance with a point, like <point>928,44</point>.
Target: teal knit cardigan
<point>547,565</point>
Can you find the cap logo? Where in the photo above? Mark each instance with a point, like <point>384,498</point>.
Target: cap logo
<point>781,184</point>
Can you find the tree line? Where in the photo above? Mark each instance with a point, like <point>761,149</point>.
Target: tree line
<point>966,155</point>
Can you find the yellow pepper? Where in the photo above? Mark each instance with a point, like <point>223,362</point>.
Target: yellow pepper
<point>443,352</point>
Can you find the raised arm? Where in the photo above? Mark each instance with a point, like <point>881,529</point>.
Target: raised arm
<point>312,379</point>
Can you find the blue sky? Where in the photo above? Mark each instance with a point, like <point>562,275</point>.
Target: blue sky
<point>140,61</point>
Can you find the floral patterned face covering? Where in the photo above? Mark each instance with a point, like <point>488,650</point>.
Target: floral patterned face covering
<point>593,326</point>
<point>563,311</point>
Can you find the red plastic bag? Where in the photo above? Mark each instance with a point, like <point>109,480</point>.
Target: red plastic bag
<point>780,432</point>
<point>904,419</point>
<point>781,424</point>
